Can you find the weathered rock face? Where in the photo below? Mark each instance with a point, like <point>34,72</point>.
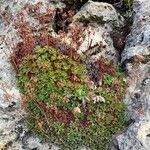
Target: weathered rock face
<point>137,100</point>
<point>101,19</point>
<point>138,41</point>
<point>100,13</point>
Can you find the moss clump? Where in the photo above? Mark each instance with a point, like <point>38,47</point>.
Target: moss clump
<point>60,103</point>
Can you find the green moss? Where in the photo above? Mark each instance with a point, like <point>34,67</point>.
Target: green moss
<point>128,3</point>
<point>60,104</point>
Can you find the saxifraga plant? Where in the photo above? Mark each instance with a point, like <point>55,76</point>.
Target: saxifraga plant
<point>60,104</point>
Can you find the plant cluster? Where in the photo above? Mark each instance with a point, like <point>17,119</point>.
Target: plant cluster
<point>62,107</point>
<point>60,103</point>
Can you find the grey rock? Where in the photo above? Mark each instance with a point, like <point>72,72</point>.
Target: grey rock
<point>138,41</point>
<point>101,19</point>
<point>101,13</point>
<point>137,100</point>
<point>137,97</point>
<point>136,136</point>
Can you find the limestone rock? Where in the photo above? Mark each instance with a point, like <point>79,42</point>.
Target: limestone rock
<point>100,19</point>
<point>137,42</point>
<point>100,13</point>
<point>136,135</point>
<point>137,100</point>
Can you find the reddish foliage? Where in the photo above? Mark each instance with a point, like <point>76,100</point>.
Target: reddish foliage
<point>73,78</point>
<point>45,17</point>
<point>84,122</point>
<point>104,68</point>
<point>30,37</point>
<point>76,32</point>
<point>63,116</point>
<point>44,39</point>
<point>57,114</point>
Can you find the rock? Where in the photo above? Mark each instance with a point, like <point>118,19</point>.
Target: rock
<point>137,42</point>
<point>135,138</point>
<point>100,19</point>
<point>100,13</point>
<point>136,56</point>
<point>137,100</point>
<point>34,143</point>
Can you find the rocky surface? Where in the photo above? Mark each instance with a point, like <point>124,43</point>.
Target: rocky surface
<point>137,100</point>
<point>138,41</point>
<point>101,19</point>
<point>136,56</point>
<point>14,135</point>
